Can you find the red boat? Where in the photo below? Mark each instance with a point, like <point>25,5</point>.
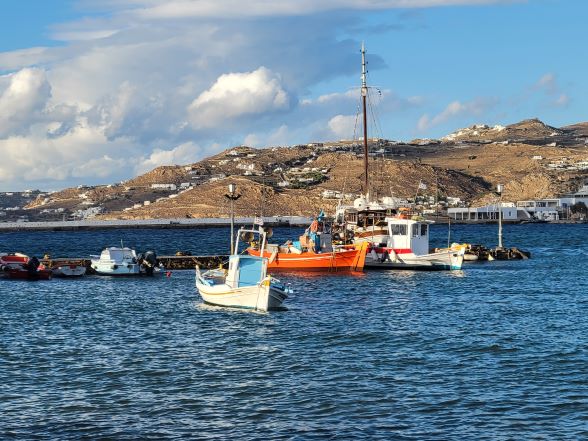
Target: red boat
<point>20,266</point>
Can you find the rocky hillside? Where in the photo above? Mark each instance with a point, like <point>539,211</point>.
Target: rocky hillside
<point>533,160</point>
<point>527,130</point>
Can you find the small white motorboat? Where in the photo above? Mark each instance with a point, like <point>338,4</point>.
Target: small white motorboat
<point>116,261</point>
<point>245,284</point>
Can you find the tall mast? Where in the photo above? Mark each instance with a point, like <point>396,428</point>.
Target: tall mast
<point>364,91</point>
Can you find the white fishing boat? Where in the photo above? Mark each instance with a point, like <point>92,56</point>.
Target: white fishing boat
<point>408,248</point>
<point>245,284</point>
<point>398,239</point>
<point>116,261</point>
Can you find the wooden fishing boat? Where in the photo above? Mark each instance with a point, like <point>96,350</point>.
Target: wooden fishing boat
<point>408,248</point>
<point>302,255</point>
<point>245,284</point>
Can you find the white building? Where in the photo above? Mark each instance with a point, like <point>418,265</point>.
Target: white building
<point>567,200</point>
<point>331,194</point>
<point>510,213</point>
<point>171,187</point>
<point>546,209</point>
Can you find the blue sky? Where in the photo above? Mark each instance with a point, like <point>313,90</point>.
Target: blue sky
<point>103,90</point>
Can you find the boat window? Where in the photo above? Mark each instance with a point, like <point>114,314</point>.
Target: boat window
<point>351,217</point>
<point>398,230</point>
<point>424,229</point>
<point>415,230</point>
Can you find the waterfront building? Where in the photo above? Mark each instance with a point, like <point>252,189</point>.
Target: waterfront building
<point>544,209</point>
<point>487,213</point>
<point>569,199</point>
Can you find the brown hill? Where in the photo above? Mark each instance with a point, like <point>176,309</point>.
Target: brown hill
<point>291,180</point>
<point>527,130</point>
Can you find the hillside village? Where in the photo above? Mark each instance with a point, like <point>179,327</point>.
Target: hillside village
<point>532,159</point>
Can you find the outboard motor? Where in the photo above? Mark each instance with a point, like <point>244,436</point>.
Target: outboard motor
<point>149,262</point>
<point>31,266</point>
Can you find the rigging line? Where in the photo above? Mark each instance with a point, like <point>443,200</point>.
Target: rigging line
<point>377,129</point>
<point>357,116</point>
<point>374,114</point>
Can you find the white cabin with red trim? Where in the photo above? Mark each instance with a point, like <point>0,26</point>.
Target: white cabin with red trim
<point>408,235</point>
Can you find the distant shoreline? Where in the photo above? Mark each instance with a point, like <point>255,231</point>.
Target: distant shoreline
<point>273,221</point>
<point>180,223</point>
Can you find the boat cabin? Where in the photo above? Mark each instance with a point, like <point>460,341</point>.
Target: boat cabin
<point>408,234</point>
<point>119,255</point>
<point>365,218</point>
<point>245,271</point>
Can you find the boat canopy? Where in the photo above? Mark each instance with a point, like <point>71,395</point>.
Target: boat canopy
<point>118,254</point>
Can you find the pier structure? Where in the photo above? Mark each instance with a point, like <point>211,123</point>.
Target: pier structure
<point>168,263</point>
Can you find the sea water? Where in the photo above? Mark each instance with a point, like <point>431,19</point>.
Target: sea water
<point>496,351</point>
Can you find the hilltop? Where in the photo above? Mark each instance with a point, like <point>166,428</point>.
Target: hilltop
<point>533,159</point>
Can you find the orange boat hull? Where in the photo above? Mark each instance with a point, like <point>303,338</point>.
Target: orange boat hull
<point>351,259</point>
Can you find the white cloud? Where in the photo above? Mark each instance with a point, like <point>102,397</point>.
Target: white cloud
<point>235,95</point>
<point>165,9</point>
<point>183,154</point>
<point>562,100</point>
<point>78,153</point>
<point>454,110</point>
<point>343,126</point>
<point>99,167</point>
<point>122,89</point>
<point>23,100</point>
<point>549,85</point>
<point>278,137</point>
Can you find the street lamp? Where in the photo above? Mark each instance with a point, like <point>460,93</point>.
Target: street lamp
<point>231,196</point>
<point>499,190</point>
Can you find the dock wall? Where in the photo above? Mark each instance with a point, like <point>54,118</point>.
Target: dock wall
<point>168,262</point>
<point>272,221</point>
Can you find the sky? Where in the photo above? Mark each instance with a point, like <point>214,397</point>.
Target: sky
<point>98,91</point>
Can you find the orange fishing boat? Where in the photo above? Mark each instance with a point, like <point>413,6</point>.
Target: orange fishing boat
<point>348,258</point>
<point>313,255</point>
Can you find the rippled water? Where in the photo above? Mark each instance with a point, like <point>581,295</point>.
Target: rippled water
<point>497,351</point>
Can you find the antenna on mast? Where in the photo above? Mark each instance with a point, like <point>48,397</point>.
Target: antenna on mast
<point>364,91</point>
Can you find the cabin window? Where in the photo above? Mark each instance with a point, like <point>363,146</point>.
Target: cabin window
<point>351,218</point>
<point>415,230</point>
<point>398,230</point>
<point>424,229</point>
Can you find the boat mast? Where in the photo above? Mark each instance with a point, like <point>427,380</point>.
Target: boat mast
<point>364,91</point>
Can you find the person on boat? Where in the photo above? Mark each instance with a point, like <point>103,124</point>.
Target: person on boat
<point>314,237</point>
<point>31,267</point>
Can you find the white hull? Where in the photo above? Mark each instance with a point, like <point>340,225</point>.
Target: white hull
<point>428,262</point>
<point>259,297</point>
<point>245,284</point>
<point>114,269</point>
<point>69,271</point>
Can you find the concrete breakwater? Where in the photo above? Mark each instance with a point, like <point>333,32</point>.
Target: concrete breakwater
<point>273,221</point>
<point>168,262</point>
